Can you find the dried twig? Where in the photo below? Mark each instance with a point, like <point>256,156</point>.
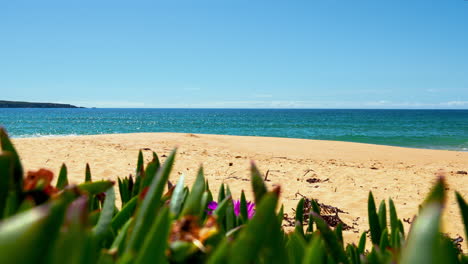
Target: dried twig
<point>329,213</point>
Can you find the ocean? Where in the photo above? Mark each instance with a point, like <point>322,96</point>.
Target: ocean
<point>432,129</point>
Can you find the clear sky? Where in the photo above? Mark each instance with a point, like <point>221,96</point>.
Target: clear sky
<point>236,54</point>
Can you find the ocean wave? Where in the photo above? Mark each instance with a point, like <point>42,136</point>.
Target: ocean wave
<point>39,135</point>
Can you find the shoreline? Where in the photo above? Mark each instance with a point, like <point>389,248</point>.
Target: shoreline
<point>337,173</point>
<point>227,135</point>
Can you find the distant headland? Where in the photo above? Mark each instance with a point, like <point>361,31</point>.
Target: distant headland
<point>15,104</point>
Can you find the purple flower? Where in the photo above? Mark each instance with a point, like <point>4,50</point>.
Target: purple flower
<point>250,208</point>
<point>237,204</point>
<point>212,206</point>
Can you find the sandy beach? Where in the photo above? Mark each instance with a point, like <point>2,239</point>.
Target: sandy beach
<point>337,173</point>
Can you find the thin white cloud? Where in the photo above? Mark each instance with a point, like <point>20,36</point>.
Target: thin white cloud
<point>263,96</point>
<point>389,104</point>
<point>384,104</point>
<point>456,103</point>
<point>110,104</point>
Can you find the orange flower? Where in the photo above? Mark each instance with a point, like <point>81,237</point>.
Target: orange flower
<point>40,179</point>
<point>188,229</point>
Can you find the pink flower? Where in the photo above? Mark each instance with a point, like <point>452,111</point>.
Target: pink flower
<point>237,208</point>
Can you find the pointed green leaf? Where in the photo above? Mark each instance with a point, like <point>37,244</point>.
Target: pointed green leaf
<point>220,210</point>
<point>230,216</point>
<point>315,206</point>
<point>6,176</point>
<point>374,224</point>
<point>62,180</point>
<point>396,239</point>
<point>393,217</point>
<point>205,199</point>
<point>296,248</point>
<point>119,241</point>
<point>423,241</point>
<point>70,244</point>
<point>362,243</point>
<point>124,215</point>
<point>258,185</point>
<point>253,236</point>
<point>7,146</point>
<point>275,250</point>
<point>437,193</point>
<point>220,254</point>
<point>123,190</point>
<point>228,191</point>
<point>177,197</point>
<point>156,160</point>
<point>154,247</point>
<point>96,187</point>
<point>299,217</point>
<point>136,186</point>
<point>88,173</point>
<point>331,241</point>
<point>280,215</point>
<point>243,208</point>
<point>401,227</point>
<point>315,252</point>
<point>148,176</point>
<point>384,242</point>
<point>192,204</point>
<point>352,253</point>
<point>22,236</point>
<point>150,206</point>
<point>105,218</point>
<point>383,215</point>
<point>464,212</point>
<point>221,193</point>
<point>339,233</point>
<point>140,162</point>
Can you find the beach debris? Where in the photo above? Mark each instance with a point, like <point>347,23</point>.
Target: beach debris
<point>329,213</point>
<point>307,171</point>
<point>230,163</point>
<point>266,176</point>
<point>316,180</point>
<point>146,149</point>
<point>312,180</point>
<point>457,242</point>
<point>374,168</point>
<point>462,172</point>
<point>238,157</point>
<point>170,185</point>
<point>408,220</point>
<point>236,177</point>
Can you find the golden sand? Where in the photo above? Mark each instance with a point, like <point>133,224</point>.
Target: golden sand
<point>345,171</point>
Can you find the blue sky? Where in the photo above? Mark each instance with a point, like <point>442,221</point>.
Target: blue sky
<point>236,54</point>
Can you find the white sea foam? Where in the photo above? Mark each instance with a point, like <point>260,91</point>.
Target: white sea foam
<point>39,135</point>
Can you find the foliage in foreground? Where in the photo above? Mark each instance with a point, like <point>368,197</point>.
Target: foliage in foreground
<point>41,223</point>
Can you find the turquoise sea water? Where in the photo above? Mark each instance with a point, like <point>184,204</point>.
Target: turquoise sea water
<point>434,129</point>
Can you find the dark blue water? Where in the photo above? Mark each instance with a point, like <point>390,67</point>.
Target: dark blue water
<point>435,129</point>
